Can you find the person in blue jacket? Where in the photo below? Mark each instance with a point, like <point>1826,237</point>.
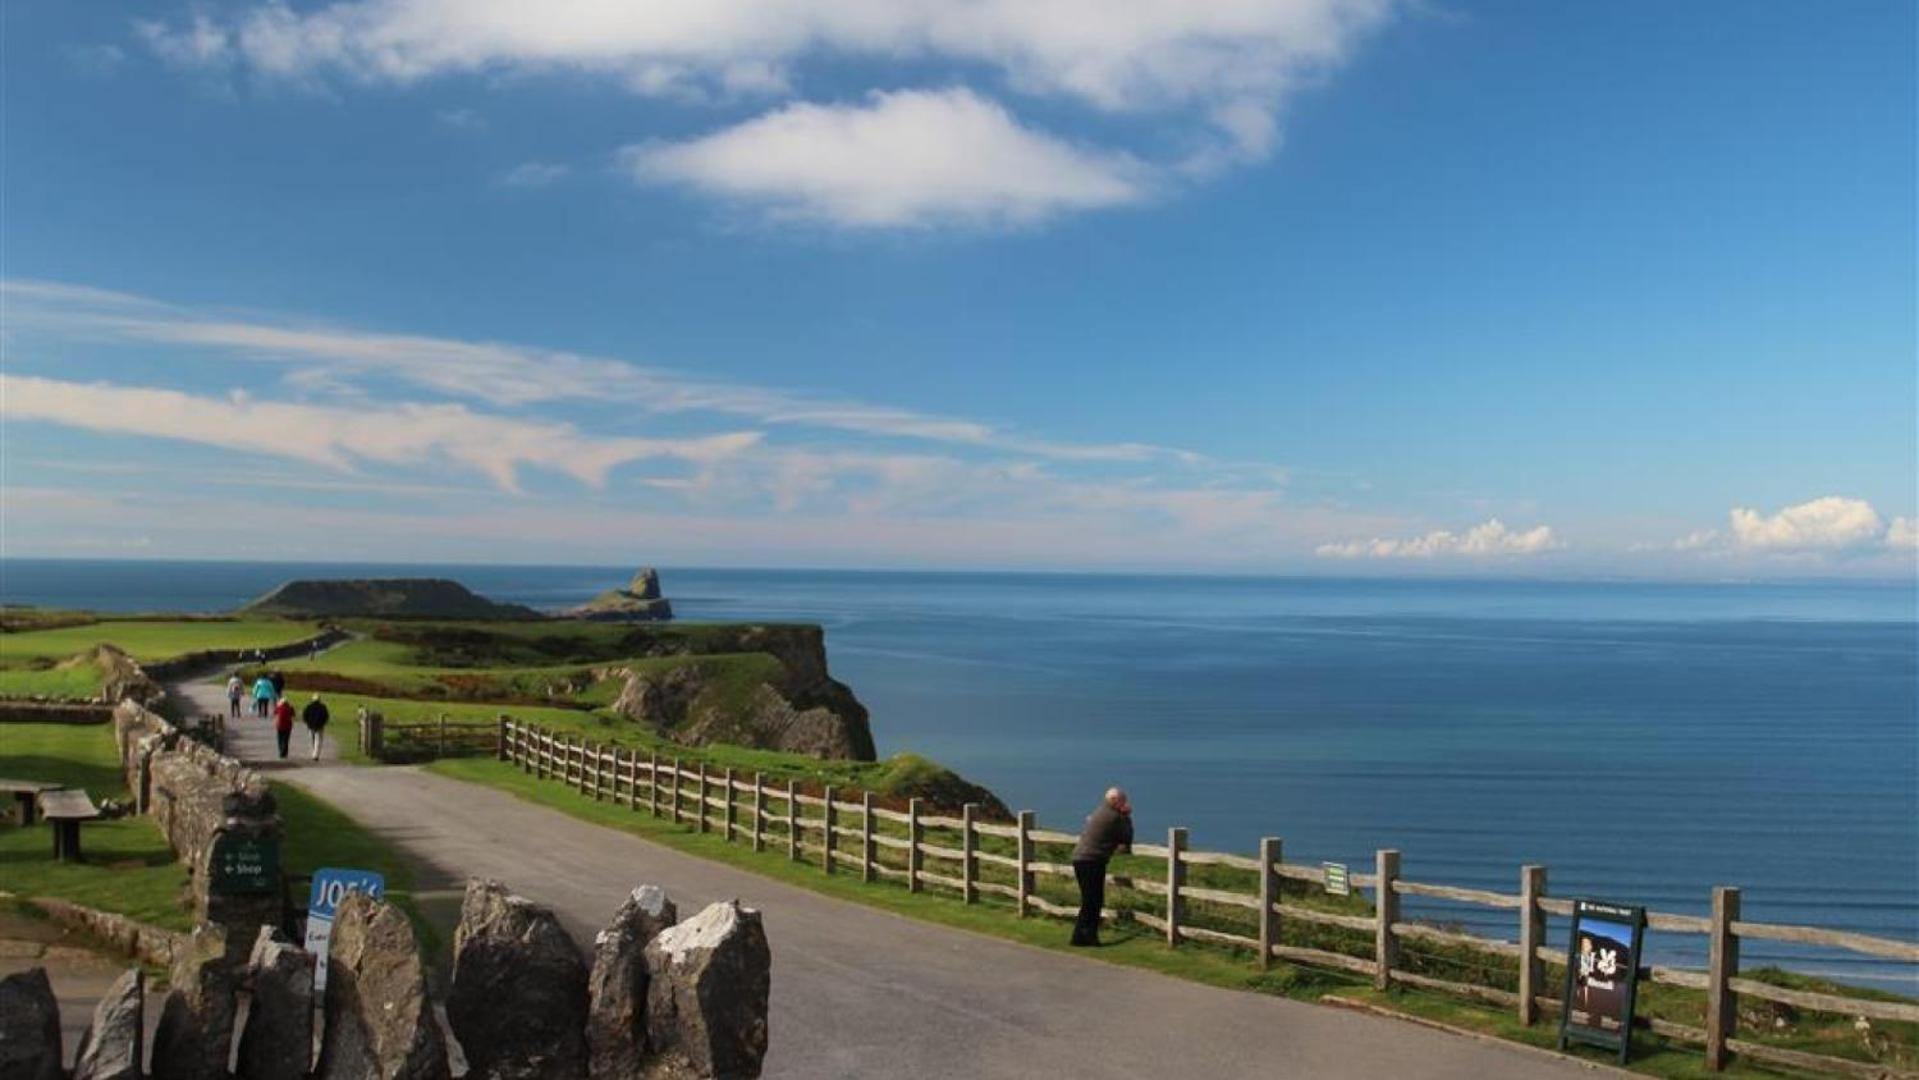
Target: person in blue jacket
<point>263,696</point>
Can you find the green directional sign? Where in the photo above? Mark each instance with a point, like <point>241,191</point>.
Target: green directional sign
<point>245,864</point>
<point>1337,882</point>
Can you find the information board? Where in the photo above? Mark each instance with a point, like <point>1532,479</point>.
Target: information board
<point>245,864</point>
<point>1602,975</point>
<point>331,884</point>
<point>1338,882</point>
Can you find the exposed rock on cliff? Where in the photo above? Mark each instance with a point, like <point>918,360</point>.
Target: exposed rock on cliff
<point>640,601</point>
<point>798,708</point>
<point>435,598</point>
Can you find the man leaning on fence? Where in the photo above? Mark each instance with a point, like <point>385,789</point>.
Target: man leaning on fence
<point>1109,829</point>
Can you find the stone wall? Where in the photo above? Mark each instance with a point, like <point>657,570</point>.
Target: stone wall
<point>54,711</point>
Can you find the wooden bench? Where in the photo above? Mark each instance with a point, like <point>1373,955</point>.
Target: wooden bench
<point>26,795</point>
<point>65,810</point>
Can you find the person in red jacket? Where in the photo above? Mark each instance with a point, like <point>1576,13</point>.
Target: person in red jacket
<point>283,724</point>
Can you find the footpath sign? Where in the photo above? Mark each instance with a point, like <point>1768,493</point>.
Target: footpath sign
<point>244,863</point>
<point>1338,883</point>
<point>331,885</point>
<point>1602,975</point>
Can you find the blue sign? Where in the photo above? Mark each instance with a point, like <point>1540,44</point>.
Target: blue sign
<point>331,884</point>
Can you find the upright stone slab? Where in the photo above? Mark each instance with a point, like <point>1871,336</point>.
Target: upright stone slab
<point>518,1003</point>
<point>706,996</point>
<point>379,1022</point>
<point>278,1039</point>
<point>616,990</point>
<point>195,1033</point>
<point>29,1027</point>
<point>114,1045</point>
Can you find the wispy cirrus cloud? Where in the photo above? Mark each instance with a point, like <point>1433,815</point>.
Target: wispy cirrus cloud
<point>1490,539</point>
<point>404,434</point>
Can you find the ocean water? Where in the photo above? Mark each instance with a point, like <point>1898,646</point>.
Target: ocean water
<point>1643,741</point>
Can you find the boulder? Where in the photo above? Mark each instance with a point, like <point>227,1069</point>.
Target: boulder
<point>195,1033</point>
<point>29,1027</point>
<point>616,989</point>
<point>278,1039</point>
<point>518,1003</point>
<point>706,996</point>
<point>114,1045</point>
<point>380,1023</point>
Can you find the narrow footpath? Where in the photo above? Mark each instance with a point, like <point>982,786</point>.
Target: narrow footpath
<point>864,993</point>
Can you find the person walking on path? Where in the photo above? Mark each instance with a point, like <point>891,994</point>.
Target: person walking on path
<point>1109,830</point>
<point>315,718</point>
<point>263,696</point>
<point>279,680</point>
<point>283,725</point>
<point>235,691</point>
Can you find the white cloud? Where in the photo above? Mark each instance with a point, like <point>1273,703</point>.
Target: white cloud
<point>508,375</point>
<point>908,158</point>
<point>1489,539</point>
<point>534,174</point>
<point>1833,523</point>
<point>338,437</point>
<point>1219,70</point>
<point>1903,534</point>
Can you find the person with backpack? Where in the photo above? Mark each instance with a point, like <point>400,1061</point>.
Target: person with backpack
<point>263,696</point>
<point>283,725</point>
<point>279,680</point>
<point>315,718</point>
<point>1109,830</point>
<point>235,691</point>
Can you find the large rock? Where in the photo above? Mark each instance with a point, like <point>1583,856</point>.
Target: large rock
<point>645,584</point>
<point>640,601</point>
<point>380,1024</point>
<point>278,1039</point>
<point>114,1044</point>
<point>195,1033</point>
<point>707,985</point>
<point>29,1027</point>
<point>616,990</point>
<point>518,1003</point>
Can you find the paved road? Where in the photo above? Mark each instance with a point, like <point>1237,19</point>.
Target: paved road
<point>863,993</point>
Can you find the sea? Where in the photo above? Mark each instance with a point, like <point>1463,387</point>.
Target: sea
<point>1644,742</point>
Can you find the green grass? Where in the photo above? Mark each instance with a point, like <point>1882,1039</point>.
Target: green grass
<point>128,869</point>
<point>78,677</point>
<point>319,834</point>
<point>150,639</point>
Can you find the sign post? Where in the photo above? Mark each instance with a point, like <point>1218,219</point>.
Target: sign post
<point>331,885</point>
<point>1602,975</point>
<point>245,863</point>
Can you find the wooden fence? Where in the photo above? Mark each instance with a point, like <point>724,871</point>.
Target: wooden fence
<point>1268,915</point>
<point>422,740</point>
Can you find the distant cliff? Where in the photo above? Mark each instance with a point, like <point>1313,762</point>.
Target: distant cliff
<point>640,601</point>
<point>405,598</point>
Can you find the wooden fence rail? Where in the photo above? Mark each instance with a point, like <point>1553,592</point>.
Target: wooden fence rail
<point>919,849</point>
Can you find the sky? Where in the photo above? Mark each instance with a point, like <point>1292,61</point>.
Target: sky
<point>1292,286</point>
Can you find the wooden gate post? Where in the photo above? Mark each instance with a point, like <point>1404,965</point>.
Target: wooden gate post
<point>969,847</point>
<point>1023,853</point>
<point>866,836</point>
<point>732,806</point>
<point>1532,936</point>
<point>1271,854</point>
<point>500,752</point>
<point>442,750</point>
<point>915,836</point>
<point>829,818</point>
<point>1175,878</point>
<point>1722,1005</point>
<point>792,821</point>
<point>1386,913</point>
<point>759,812</point>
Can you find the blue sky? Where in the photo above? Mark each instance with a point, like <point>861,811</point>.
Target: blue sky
<point>1303,286</point>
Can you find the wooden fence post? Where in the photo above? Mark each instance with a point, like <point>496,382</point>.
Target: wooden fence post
<point>915,836</point>
<point>1386,913</point>
<point>1023,854</point>
<point>866,836</point>
<point>703,824</point>
<point>792,821</point>
<point>1175,878</point>
<point>1271,854</point>
<point>653,780</point>
<point>969,846</point>
<point>731,806</point>
<point>676,790</point>
<point>1722,1005</point>
<point>599,770</point>
<point>376,736</point>
<point>442,750</point>
<point>1532,935</point>
<point>759,811</point>
<point>830,818</point>
<point>499,739</point>
<point>632,779</point>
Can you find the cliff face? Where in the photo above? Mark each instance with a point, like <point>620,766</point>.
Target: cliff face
<point>432,598</point>
<point>796,706</point>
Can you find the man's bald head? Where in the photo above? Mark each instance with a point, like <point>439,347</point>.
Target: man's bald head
<point>1116,798</point>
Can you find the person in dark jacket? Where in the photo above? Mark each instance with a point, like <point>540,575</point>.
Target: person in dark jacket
<point>279,681</point>
<point>315,717</point>
<point>1109,829</point>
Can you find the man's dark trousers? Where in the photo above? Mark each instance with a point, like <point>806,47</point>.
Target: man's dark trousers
<point>283,737</point>
<point>1092,897</point>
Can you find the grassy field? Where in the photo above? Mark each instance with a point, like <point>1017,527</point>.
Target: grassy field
<point>44,657</point>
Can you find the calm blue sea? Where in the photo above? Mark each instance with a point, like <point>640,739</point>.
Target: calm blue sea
<point>1644,741</point>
